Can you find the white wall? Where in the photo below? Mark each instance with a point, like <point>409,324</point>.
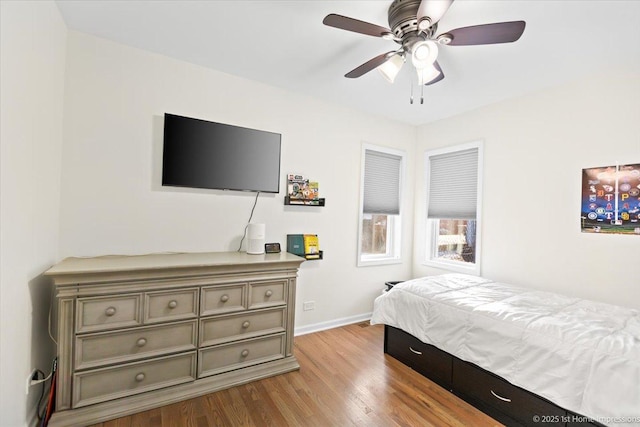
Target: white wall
<point>112,201</point>
<point>535,148</point>
<point>32,87</point>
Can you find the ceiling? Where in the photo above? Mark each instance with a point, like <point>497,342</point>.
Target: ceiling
<point>285,44</point>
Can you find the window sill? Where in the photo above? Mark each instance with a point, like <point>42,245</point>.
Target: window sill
<point>378,261</point>
<point>457,267</point>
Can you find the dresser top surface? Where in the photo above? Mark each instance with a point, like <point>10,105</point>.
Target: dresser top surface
<point>115,263</point>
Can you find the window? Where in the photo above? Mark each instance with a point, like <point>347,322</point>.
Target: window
<point>453,194</point>
<point>381,183</point>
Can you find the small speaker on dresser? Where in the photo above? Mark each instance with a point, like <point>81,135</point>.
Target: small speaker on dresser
<point>255,239</point>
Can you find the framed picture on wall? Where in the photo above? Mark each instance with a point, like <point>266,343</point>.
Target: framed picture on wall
<point>611,200</point>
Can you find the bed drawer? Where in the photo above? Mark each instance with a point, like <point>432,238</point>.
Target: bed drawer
<point>501,399</point>
<point>426,359</point>
<point>575,420</point>
<point>218,330</point>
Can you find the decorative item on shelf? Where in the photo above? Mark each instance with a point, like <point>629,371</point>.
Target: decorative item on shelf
<point>304,245</point>
<point>272,248</point>
<point>301,191</point>
<point>297,186</point>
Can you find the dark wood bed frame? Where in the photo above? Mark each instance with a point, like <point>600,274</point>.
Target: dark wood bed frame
<point>493,395</point>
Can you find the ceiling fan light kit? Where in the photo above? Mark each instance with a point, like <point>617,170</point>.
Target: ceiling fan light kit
<point>424,53</point>
<point>391,67</point>
<point>413,25</point>
<point>427,74</point>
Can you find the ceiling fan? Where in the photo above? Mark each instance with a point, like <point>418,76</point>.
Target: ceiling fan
<point>414,24</point>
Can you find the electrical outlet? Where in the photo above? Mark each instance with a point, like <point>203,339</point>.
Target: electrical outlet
<point>32,377</point>
<point>309,305</point>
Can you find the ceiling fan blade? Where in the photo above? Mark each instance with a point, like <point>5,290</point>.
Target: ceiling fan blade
<point>369,65</point>
<point>500,32</point>
<point>350,24</point>
<point>440,76</point>
<point>434,10</point>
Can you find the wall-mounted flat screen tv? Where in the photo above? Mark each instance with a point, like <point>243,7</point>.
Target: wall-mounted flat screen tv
<point>202,154</point>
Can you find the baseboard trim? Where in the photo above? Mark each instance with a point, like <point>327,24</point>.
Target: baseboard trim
<point>336,323</point>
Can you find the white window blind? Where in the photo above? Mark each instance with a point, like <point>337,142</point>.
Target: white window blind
<point>381,183</point>
<point>453,185</point>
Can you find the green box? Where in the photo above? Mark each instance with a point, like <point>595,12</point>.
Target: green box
<point>295,244</point>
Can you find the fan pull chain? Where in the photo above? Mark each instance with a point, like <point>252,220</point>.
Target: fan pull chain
<point>411,97</point>
<point>421,94</point>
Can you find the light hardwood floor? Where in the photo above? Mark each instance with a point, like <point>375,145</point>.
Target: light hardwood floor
<point>345,379</point>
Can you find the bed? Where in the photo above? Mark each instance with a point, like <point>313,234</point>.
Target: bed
<point>524,356</point>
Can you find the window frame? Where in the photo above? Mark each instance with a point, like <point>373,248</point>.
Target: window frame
<point>432,228</point>
<point>394,222</point>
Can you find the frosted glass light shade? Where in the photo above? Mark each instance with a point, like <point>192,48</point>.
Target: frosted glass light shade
<point>426,74</point>
<point>391,68</point>
<point>424,53</point>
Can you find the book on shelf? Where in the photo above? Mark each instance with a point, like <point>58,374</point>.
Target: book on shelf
<point>297,186</point>
<point>300,189</point>
<point>313,191</point>
<point>295,244</point>
<point>311,246</point>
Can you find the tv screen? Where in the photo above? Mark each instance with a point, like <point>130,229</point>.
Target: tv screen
<point>202,154</point>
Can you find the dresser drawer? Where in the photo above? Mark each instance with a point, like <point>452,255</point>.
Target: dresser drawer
<point>499,398</point>
<point>267,294</point>
<point>101,313</point>
<point>106,348</point>
<point>233,327</point>
<point>426,359</point>
<point>171,305</point>
<point>223,299</point>
<point>227,357</point>
<point>99,385</point>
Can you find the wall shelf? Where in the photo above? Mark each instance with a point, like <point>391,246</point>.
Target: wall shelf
<point>311,257</point>
<point>314,257</point>
<point>303,202</point>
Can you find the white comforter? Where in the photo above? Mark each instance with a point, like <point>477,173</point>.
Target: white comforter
<point>582,355</point>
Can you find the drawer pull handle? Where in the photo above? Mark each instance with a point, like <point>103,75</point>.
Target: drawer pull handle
<point>140,377</point>
<point>244,353</point>
<point>173,303</point>
<point>504,399</point>
<point>268,293</point>
<point>224,298</point>
<point>246,324</point>
<point>415,351</point>
<point>141,342</point>
<point>110,311</point>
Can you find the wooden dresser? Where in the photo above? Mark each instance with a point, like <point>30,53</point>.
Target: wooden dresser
<point>138,332</point>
